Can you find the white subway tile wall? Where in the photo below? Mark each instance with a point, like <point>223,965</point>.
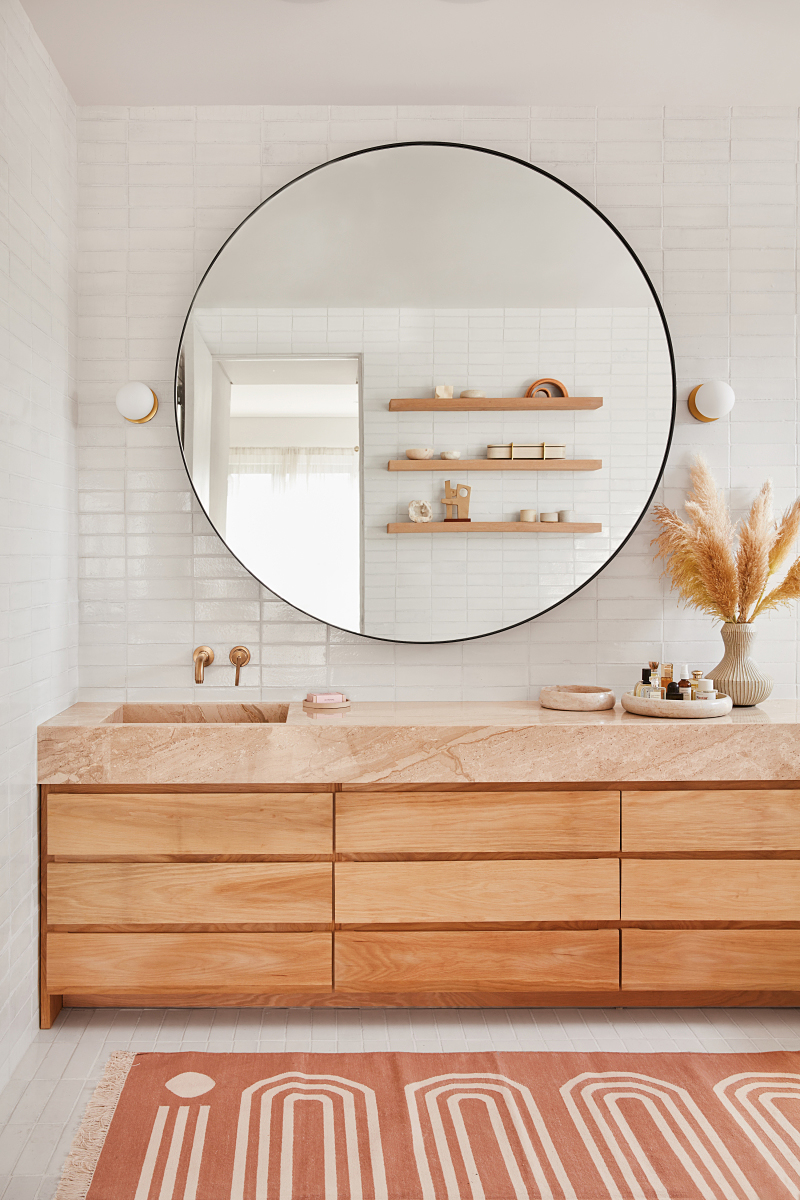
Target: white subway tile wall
<point>429,588</point>
<point>706,197</point>
<point>38,479</point>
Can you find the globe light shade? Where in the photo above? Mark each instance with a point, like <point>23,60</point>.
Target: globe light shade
<point>710,401</point>
<point>137,403</point>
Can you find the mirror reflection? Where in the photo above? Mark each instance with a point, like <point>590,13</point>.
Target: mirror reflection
<point>322,377</point>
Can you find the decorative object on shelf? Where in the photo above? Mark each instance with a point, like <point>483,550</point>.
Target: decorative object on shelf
<point>450,454</point>
<point>527,514</point>
<point>710,401</point>
<point>311,706</point>
<point>137,403</point>
<point>547,387</point>
<point>733,575</point>
<point>420,511</point>
<point>517,450</point>
<point>577,697</point>
<point>420,452</point>
<point>566,516</point>
<point>202,657</point>
<point>456,499</point>
<point>549,517</point>
<point>692,710</point>
<point>240,657</point>
<point>443,391</point>
<point>473,394</point>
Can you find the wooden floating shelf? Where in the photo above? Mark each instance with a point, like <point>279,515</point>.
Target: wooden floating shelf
<point>457,465</point>
<point>500,404</point>
<point>495,527</point>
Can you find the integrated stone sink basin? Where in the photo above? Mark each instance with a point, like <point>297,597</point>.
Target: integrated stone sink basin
<point>200,714</point>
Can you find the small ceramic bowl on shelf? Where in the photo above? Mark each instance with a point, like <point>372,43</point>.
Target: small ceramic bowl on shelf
<point>450,454</point>
<point>577,697</point>
<point>420,452</point>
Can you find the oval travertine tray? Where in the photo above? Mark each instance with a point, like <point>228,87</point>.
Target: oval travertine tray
<point>692,709</point>
<point>577,697</point>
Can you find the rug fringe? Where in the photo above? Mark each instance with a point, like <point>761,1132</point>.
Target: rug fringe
<point>88,1141</point>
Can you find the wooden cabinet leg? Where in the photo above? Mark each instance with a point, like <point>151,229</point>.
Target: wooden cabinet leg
<point>49,1008</point>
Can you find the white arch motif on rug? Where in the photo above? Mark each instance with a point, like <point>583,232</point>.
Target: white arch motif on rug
<point>686,1131</point>
<point>492,1091</point>
<point>751,1098</point>
<point>287,1090</point>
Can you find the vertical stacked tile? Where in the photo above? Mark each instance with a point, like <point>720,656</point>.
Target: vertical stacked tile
<point>38,481</point>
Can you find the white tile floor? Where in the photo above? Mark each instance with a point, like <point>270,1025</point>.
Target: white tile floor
<point>43,1104</point>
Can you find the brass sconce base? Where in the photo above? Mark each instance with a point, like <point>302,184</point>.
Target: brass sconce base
<point>694,410</point>
<point>150,415</point>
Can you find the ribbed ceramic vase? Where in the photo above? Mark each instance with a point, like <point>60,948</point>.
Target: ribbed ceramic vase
<point>737,675</point>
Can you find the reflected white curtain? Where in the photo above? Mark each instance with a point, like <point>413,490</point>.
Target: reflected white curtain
<point>286,464</point>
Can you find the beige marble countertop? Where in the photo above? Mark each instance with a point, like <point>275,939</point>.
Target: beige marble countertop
<point>412,742</point>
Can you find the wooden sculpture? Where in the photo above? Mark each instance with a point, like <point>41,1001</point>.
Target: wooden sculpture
<point>457,499</point>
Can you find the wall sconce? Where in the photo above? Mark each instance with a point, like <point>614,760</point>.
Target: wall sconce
<point>137,403</point>
<point>710,401</point>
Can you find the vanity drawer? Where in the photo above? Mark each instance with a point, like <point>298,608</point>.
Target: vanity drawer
<point>540,961</point>
<point>705,959</point>
<point>466,892</point>
<point>751,819</point>
<point>710,890</point>
<point>299,824</point>
<point>189,893</point>
<point>473,822</point>
<point>184,962</point>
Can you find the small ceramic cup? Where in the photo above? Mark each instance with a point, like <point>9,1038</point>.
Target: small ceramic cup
<point>567,515</point>
<point>548,516</point>
<point>528,515</point>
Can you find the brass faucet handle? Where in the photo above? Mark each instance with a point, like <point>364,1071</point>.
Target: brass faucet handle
<point>240,657</point>
<point>203,657</point>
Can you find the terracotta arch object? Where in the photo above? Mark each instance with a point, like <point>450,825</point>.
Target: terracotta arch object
<point>546,386</point>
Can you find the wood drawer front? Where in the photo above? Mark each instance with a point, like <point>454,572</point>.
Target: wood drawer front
<point>164,962</point>
<point>469,892</point>
<point>700,959</point>
<point>756,819</point>
<point>464,822</point>
<point>710,890</point>
<point>541,961</point>
<point>289,823</point>
<point>189,893</point>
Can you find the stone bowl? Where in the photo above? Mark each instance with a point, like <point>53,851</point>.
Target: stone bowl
<point>577,697</point>
<point>692,710</point>
<point>450,454</point>
<point>424,452</point>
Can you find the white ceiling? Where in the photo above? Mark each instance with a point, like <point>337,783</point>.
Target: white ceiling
<point>359,52</point>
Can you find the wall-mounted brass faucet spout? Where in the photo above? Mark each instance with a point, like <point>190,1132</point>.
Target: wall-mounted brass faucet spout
<point>240,657</point>
<point>203,657</point>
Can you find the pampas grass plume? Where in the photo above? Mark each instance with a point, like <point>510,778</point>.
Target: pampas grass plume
<point>723,571</point>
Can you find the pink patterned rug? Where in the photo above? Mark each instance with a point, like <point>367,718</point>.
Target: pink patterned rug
<point>440,1127</point>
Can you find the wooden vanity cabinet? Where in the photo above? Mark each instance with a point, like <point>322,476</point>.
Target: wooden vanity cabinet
<point>424,896</point>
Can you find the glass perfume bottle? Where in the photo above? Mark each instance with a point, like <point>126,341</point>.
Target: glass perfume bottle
<point>656,682</point>
<point>696,677</point>
<point>643,683</point>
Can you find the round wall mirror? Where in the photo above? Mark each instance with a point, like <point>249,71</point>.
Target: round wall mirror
<point>425,392</point>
